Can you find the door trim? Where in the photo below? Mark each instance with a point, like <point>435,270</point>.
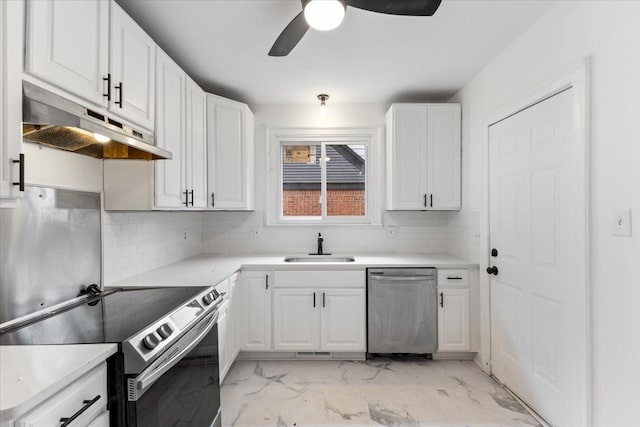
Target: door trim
<point>576,77</point>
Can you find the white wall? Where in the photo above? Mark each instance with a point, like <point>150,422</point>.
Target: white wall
<point>231,232</point>
<point>609,33</point>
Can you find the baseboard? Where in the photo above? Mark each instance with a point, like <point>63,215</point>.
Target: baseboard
<point>292,355</point>
<point>454,355</point>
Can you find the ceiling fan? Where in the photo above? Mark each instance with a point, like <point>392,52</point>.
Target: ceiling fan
<point>328,14</point>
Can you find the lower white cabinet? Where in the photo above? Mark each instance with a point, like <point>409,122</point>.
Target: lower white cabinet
<point>235,315</point>
<point>256,316</point>
<point>224,353</point>
<point>453,320</point>
<point>319,319</point>
<point>101,421</point>
<point>89,391</point>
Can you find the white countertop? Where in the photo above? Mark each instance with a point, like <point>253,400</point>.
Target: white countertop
<point>208,269</point>
<point>30,374</point>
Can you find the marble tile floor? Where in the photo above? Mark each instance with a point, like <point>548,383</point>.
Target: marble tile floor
<point>416,392</point>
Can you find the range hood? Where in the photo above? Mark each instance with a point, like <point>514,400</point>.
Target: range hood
<point>52,120</point>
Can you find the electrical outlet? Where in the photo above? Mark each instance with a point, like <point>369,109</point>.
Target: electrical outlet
<point>392,231</point>
<point>255,232</point>
<point>622,223</point>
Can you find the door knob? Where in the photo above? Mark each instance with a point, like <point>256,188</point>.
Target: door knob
<point>493,270</point>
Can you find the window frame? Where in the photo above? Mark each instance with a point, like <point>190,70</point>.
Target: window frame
<point>369,137</point>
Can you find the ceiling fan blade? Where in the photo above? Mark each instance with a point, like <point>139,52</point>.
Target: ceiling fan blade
<point>290,36</point>
<point>398,7</point>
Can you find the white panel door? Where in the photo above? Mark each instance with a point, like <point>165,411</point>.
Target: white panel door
<point>443,157</point>
<point>196,147</point>
<point>132,66</point>
<point>343,320</point>
<point>236,301</point>
<point>223,340</point>
<point>406,150</point>
<point>67,45</point>
<point>537,305</point>
<point>296,319</point>
<point>227,186</point>
<point>453,320</point>
<point>256,317</point>
<point>170,176</point>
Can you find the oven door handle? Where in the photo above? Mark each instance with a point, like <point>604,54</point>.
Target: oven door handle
<point>140,384</point>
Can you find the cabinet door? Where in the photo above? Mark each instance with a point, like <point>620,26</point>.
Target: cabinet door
<point>11,25</point>
<point>133,69</point>
<point>257,311</point>
<point>443,157</point>
<point>453,320</point>
<point>67,45</point>
<point>343,320</point>
<point>406,157</point>
<point>227,154</point>
<point>223,340</point>
<point>170,132</point>
<point>101,421</point>
<point>196,147</point>
<point>235,304</point>
<point>296,319</point>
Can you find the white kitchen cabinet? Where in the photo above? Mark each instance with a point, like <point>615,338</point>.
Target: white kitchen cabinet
<point>11,30</point>
<point>230,131</point>
<point>170,175</point>
<point>453,320</point>
<point>101,421</point>
<point>256,315</point>
<point>224,356</point>
<point>67,46</point>
<point>132,67</point>
<point>196,145</point>
<point>343,320</point>
<point>89,391</point>
<point>296,319</point>
<point>236,303</point>
<point>423,157</point>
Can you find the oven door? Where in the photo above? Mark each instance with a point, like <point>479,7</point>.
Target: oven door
<point>181,388</point>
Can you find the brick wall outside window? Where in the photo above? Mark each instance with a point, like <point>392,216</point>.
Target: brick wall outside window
<point>339,203</point>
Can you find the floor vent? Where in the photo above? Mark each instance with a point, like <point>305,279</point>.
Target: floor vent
<point>312,354</point>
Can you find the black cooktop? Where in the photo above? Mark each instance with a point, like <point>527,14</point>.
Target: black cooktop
<point>110,318</point>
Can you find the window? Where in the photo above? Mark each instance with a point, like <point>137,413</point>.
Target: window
<point>323,177</point>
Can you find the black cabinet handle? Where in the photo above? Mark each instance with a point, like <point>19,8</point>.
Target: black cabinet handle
<point>314,300</point>
<point>267,281</point>
<point>454,278</point>
<point>186,197</point>
<point>20,182</point>
<point>441,299</point>
<point>430,200</point>
<point>86,405</point>
<point>424,200</point>
<point>493,270</point>
<point>213,200</point>
<point>119,87</point>
<point>191,192</point>
<point>108,80</point>
<point>323,300</point>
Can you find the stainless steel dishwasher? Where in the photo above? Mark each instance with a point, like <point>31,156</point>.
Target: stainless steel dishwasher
<point>402,310</point>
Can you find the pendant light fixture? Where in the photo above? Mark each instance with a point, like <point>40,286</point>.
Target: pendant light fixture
<point>324,15</point>
<point>323,103</point>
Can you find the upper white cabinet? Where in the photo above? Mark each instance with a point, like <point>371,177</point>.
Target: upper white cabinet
<point>11,25</point>
<point>423,157</point>
<point>196,145</point>
<point>170,175</point>
<point>67,46</point>
<point>230,128</point>
<point>132,66</point>
<point>256,313</point>
<point>77,47</point>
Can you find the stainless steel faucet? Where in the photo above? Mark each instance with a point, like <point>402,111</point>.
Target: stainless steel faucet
<point>320,240</point>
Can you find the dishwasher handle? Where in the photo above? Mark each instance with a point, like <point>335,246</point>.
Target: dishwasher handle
<point>401,278</point>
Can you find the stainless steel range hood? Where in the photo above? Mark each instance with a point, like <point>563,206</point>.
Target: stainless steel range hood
<point>55,121</point>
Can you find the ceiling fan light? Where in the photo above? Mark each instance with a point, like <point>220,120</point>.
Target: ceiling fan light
<point>324,15</point>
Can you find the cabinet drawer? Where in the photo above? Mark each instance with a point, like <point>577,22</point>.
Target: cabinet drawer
<point>70,401</point>
<point>453,278</point>
<point>320,279</point>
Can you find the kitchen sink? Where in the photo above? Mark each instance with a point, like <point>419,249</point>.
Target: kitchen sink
<point>319,258</point>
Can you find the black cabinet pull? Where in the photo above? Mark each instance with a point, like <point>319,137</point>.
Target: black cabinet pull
<point>186,197</point>
<point>86,405</point>
<point>493,270</point>
<point>119,87</point>
<point>213,200</point>
<point>430,200</point>
<point>424,198</point>
<point>20,182</point>
<point>454,278</point>
<point>191,192</point>
<point>108,80</point>
<point>314,300</point>
<point>441,299</point>
<point>267,281</point>
<point>323,300</point>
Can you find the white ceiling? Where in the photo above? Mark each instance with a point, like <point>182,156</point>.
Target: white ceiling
<point>370,58</point>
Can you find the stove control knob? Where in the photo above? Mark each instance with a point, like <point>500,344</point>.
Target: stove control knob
<point>150,341</point>
<point>208,298</point>
<point>215,293</point>
<point>164,331</point>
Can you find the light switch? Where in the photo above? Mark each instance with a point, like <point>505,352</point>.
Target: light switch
<point>622,223</point>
